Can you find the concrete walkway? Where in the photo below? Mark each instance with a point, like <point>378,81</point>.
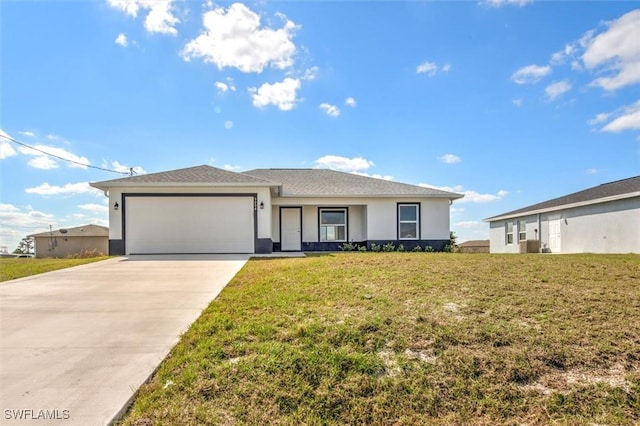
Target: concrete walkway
<point>76,344</point>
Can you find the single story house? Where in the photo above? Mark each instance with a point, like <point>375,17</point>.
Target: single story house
<point>72,241</point>
<point>601,219</point>
<point>474,246</point>
<point>205,209</point>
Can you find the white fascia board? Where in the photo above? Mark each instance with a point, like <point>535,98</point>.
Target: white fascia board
<point>565,206</point>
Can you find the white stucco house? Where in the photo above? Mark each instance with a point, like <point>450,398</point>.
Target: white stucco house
<point>601,219</point>
<point>204,209</point>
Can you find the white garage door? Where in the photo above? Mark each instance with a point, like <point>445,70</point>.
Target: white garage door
<point>208,224</point>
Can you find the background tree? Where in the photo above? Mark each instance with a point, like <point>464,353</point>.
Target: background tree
<point>25,246</point>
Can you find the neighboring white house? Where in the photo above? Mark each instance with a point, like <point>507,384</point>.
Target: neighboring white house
<point>204,209</point>
<point>602,219</point>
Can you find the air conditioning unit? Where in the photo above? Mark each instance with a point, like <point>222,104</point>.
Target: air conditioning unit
<point>530,246</point>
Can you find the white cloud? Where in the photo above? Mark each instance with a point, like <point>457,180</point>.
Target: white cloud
<point>374,175</point>
<point>345,164</point>
<point>282,94</point>
<point>450,159</point>
<point>225,87</point>
<point>122,40</point>
<point>591,171</point>
<point>470,196</point>
<point>599,118</point>
<point>500,3</point>
<point>231,168</point>
<point>330,110</point>
<point>27,133</point>
<point>236,38</point>
<point>160,17</point>
<point>44,161</point>
<point>6,150</point>
<point>222,87</point>
<point>429,68</point>
<point>468,224</point>
<point>616,52</point>
<point>228,124</point>
<point>517,102</point>
<point>310,73</point>
<point>627,118</point>
<point>530,74</point>
<point>18,223</point>
<point>350,102</point>
<point>94,208</point>
<point>67,189</point>
<point>115,165</point>
<point>556,89</point>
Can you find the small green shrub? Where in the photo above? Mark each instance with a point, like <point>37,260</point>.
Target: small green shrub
<point>362,249</point>
<point>389,247</point>
<point>416,248</point>
<point>348,246</point>
<point>428,249</point>
<point>401,247</point>
<point>375,247</point>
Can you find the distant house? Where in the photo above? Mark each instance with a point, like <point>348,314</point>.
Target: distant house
<point>474,246</point>
<point>72,241</point>
<point>601,219</point>
<point>204,209</point>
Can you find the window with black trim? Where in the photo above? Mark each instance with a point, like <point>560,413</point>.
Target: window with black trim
<point>333,224</point>
<point>408,221</point>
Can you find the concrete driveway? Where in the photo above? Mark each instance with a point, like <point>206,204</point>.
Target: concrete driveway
<point>76,344</point>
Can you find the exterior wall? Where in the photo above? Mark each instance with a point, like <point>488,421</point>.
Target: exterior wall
<point>369,220</point>
<point>58,246</point>
<point>497,238</point>
<point>612,227</point>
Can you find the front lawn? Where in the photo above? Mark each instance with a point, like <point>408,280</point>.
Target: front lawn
<point>11,269</point>
<point>408,339</point>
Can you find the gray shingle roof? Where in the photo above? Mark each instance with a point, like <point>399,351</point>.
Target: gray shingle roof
<point>78,231</point>
<point>606,190</point>
<point>331,183</point>
<point>294,182</point>
<point>191,175</point>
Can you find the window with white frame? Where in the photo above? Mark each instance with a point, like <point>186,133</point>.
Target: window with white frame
<point>522,230</point>
<point>508,230</point>
<point>333,224</point>
<point>408,221</point>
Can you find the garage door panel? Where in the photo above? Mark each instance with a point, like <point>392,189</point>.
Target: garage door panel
<point>189,225</point>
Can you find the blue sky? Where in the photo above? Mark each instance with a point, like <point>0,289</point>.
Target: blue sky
<point>510,102</point>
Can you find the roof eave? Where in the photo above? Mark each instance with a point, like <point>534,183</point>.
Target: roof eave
<point>445,196</point>
<point>564,206</point>
<point>105,186</point>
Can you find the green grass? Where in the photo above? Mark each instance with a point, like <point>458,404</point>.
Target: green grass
<point>11,269</point>
<point>407,339</point>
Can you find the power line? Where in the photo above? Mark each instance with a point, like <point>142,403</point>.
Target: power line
<point>9,138</point>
